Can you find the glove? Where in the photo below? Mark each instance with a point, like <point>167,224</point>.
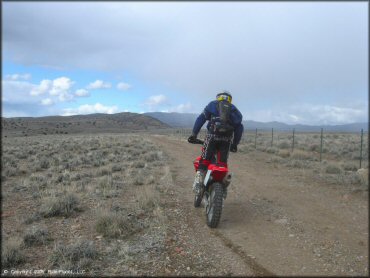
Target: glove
<point>192,138</point>
<point>233,148</point>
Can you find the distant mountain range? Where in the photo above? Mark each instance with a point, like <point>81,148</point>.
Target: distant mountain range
<point>186,120</point>
<point>92,123</point>
<point>131,122</point>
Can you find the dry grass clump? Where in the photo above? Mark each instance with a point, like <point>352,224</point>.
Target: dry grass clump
<point>117,225</point>
<point>363,175</point>
<point>73,256</point>
<point>12,254</point>
<point>272,150</point>
<point>283,153</point>
<point>148,198</point>
<point>64,205</point>
<point>297,163</point>
<point>9,166</point>
<point>38,182</point>
<point>107,187</point>
<point>32,218</point>
<point>333,169</point>
<point>36,236</point>
<point>301,155</point>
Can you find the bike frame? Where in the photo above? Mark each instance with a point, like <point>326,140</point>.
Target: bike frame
<point>214,173</point>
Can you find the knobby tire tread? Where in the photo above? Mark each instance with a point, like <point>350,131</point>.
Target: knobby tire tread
<point>217,206</point>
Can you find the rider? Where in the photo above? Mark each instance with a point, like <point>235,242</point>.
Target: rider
<point>225,130</point>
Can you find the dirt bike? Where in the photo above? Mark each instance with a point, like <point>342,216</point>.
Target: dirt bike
<point>212,193</point>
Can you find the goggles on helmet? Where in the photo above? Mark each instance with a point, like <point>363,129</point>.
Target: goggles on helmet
<point>221,97</point>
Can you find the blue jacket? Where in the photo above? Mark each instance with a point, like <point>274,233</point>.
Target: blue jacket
<point>211,109</point>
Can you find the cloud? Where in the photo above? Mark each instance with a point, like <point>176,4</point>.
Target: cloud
<point>156,100</point>
<point>45,86</point>
<point>123,86</point>
<point>264,53</point>
<point>90,109</point>
<point>99,84</point>
<point>17,76</point>
<point>82,93</point>
<point>47,102</point>
<point>61,86</point>
<point>17,91</point>
<point>154,103</point>
<point>328,114</point>
<point>182,108</point>
<point>311,114</point>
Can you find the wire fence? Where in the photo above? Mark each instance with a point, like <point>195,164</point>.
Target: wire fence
<point>320,145</point>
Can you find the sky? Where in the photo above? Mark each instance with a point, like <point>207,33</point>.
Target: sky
<point>291,62</point>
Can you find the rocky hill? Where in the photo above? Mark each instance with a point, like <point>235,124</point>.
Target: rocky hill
<point>93,123</point>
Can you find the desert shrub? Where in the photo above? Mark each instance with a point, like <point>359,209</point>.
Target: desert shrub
<point>139,180</point>
<point>32,218</point>
<point>21,155</point>
<point>76,176</point>
<point>116,225</point>
<point>63,205</point>
<point>39,181</point>
<point>64,178</point>
<point>44,163</point>
<point>116,168</point>
<point>73,256</point>
<point>333,169</point>
<point>300,155</point>
<point>10,171</point>
<point>298,164</point>
<point>314,148</point>
<point>36,236</point>
<point>12,254</point>
<point>272,150</point>
<point>284,153</point>
<point>152,156</point>
<point>284,145</point>
<point>276,159</point>
<point>103,172</point>
<point>138,164</point>
<point>350,166</point>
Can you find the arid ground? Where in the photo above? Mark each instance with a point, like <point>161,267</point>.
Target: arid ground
<point>122,204</point>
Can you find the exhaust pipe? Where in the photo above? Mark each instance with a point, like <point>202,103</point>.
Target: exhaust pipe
<point>227,179</point>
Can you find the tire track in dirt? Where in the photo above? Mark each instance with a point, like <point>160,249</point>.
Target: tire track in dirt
<point>257,269</point>
<point>183,183</point>
<point>281,217</point>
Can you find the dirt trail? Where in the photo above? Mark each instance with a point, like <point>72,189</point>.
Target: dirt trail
<point>276,220</point>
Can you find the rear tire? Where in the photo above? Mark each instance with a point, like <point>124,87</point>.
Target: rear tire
<point>214,207</point>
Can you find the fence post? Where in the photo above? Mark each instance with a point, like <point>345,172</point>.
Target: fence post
<point>255,140</point>
<point>293,140</point>
<point>321,143</point>
<point>362,135</point>
<point>272,136</point>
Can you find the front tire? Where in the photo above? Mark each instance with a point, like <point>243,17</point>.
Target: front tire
<point>214,206</point>
<point>197,200</point>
